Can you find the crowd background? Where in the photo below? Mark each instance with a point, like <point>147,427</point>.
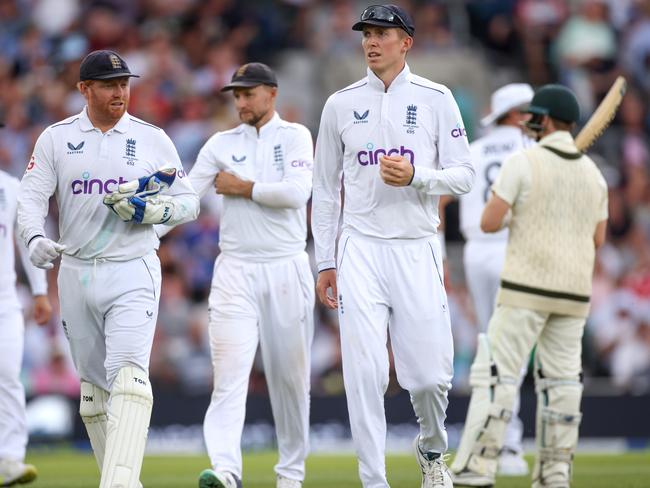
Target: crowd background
<point>186,50</point>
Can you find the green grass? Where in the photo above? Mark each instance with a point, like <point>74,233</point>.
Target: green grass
<point>67,469</point>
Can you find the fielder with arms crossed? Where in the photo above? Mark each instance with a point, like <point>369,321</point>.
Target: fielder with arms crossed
<point>262,288</point>
<point>554,200</point>
<point>109,279</point>
<point>13,426</point>
<point>400,142</point>
<point>484,254</point>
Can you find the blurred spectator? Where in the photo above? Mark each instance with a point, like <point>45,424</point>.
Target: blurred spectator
<point>55,377</point>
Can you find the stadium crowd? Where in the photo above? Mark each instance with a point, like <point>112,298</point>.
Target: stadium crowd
<point>187,50</point>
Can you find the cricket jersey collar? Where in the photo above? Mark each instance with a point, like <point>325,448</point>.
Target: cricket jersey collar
<point>402,78</point>
<point>86,125</point>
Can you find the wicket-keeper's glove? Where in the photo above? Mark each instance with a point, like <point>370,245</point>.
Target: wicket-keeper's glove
<point>136,193</point>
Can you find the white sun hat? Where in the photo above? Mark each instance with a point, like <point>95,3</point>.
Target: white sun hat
<point>506,98</point>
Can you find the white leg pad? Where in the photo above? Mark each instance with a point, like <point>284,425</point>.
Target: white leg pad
<point>93,408</point>
<point>558,403</point>
<point>129,414</point>
<point>489,412</point>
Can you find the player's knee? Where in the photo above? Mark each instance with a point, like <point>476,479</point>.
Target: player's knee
<point>93,400</point>
<point>132,382</point>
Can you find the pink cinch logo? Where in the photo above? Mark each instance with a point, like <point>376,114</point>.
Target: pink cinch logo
<point>371,156</point>
<point>459,131</point>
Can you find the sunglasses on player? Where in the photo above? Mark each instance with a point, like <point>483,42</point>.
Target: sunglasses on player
<point>380,12</point>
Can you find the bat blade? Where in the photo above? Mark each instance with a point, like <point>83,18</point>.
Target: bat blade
<point>602,117</point>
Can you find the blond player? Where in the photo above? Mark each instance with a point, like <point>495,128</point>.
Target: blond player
<point>484,253</point>
<point>398,142</point>
<point>109,279</point>
<point>554,201</point>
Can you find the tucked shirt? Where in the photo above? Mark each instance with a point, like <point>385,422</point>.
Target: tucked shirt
<point>79,164</point>
<point>279,160</point>
<point>414,118</point>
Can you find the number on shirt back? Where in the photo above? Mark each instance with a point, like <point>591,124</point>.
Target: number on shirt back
<point>490,175</point>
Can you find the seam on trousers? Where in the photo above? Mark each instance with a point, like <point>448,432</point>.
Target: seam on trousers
<point>153,284</point>
<point>345,245</point>
<point>435,263</point>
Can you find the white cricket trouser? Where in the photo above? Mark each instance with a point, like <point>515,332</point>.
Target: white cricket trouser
<point>272,304</point>
<point>483,262</point>
<point>513,332</point>
<point>393,286</point>
<point>13,425</point>
<point>109,311</point>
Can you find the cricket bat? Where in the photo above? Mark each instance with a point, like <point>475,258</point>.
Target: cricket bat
<point>604,114</point>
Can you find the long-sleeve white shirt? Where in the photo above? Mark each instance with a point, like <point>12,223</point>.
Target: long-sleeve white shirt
<point>79,164</point>
<point>9,187</point>
<point>415,118</point>
<point>488,153</point>
<point>279,160</point>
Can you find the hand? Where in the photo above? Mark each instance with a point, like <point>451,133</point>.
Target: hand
<point>230,184</point>
<point>396,170</point>
<point>42,309</point>
<point>42,251</point>
<point>327,280</point>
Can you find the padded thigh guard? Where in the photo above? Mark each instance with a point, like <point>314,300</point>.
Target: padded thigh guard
<point>93,408</point>
<point>489,412</point>
<point>128,423</point>
<point>558,420</point>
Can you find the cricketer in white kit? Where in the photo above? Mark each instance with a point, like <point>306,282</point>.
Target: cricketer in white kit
<point>398,141</point>
<point>109,278</point>
<point>262,287</point>
<point>13,425</point>
<point>484,254</point>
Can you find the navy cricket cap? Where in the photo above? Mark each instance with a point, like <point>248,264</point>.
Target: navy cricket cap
<point>103,65</point>
<point>386,16</point>
<point>250,75</point>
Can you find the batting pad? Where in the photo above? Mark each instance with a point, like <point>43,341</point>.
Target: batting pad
<point>129,413</point>
<point>489,412</point>
<point>93,408</point>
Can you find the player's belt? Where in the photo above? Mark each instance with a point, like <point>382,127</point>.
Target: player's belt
<point>509,285</point>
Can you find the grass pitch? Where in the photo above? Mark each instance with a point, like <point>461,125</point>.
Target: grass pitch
<point>68,469</point>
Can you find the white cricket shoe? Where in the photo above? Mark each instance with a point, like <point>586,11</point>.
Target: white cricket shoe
<point>434,470</point>
<point>15,472</point>
<point>287,483</point>
<point>471,478</point>
<point>512,464</point>
<point>218,479</point>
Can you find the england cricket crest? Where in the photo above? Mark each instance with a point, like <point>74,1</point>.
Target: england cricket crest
<point>411,119</point>
<point>278,157</point>
<point>115,61</point>
<point>129,152</point>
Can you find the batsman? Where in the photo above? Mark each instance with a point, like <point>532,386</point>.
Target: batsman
<point>553,199</point>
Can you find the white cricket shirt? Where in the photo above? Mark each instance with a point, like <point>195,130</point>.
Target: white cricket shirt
<point>279,160</point>
<point>488,154</point>
<point>416,118</point>
<point>79,165</point>
<point>9,187</point>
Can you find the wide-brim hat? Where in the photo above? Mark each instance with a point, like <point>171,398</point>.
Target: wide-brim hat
<point>506,98</point>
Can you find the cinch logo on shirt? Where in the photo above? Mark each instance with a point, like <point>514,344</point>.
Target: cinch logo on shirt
<point>459,131</point>
<point>371,156</point>
<point>89,186</point>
